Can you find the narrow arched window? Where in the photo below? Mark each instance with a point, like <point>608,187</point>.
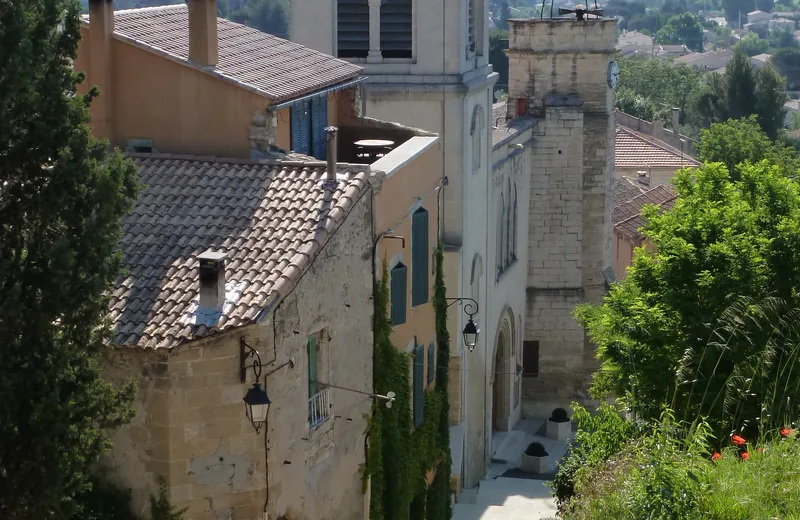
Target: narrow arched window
<point>500,234</point>
<point>507,254</point>
<point>515,216</point>
<point>476,132</point>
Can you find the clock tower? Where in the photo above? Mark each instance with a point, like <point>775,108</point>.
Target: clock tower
<point>562,71</point>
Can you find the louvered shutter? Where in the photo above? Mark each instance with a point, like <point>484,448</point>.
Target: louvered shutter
<point>319,120</point>
<point>419,390</point>
<point>352,33</point>
<point>396,28</point>
<point>398,286</point>
<point>419,257</point>
<point>312,367</point>
<point>431,363</point>
<point>471,25</point>
<point>301,127</point>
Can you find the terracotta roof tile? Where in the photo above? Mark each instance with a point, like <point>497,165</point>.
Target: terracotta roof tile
<point>268,227</point>
<point>635,150</point>
<point>275,67</point>
<point>627,215</point>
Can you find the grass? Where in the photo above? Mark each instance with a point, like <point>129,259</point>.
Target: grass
<point>765,486</point>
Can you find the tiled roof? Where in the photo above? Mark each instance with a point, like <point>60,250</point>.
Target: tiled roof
<point>627,216</point>
<point>635,150</point>
<point>270,218</point>
<point>625,189</point>
<point>277,68</point>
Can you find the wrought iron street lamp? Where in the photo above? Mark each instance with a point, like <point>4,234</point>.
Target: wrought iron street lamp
<point>471,330</point>
<point>256,406</point>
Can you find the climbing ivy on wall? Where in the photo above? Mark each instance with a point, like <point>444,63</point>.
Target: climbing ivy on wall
<point>399,456</point>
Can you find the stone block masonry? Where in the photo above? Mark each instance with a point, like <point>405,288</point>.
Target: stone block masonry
<point>558,71</point>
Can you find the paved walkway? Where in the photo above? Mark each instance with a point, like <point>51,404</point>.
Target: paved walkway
<point>506,492</point>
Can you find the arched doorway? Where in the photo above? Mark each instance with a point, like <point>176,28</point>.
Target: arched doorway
<point>500,386</point>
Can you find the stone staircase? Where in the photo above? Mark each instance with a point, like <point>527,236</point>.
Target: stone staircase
<point>507,499</point>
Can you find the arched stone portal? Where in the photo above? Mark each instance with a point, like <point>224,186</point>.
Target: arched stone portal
<point>501,374</point>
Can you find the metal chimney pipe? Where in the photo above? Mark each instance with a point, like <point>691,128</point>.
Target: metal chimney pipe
<point>332,148</point>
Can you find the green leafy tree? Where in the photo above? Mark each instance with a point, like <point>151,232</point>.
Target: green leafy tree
<point>734,142</point>
<point>787,62</point>
<point>752,44</point>
<point>740,86</point>
<point>658,83</point>
<point>62,195</point>
<point>269,16</point>
<point>683,29</point>
<point>780,38</point>
<point>498,42</point>
<point>770,95</point>
<point>765,5</point>
<point>659,333</point>
<point>733,8</point>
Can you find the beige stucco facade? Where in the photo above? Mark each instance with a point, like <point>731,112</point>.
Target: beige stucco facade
<point>180,108</point>
<point>190,426</point>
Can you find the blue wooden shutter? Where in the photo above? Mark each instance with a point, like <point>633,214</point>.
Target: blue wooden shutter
<point>419,257</point>
<point>301,127</point>
<point>419,390</point>
<point>319,120</point>
<point>431,363</point>
<point>398,294</point>
<point>312,367</point>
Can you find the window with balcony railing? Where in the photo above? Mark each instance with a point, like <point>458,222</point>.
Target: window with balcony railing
<point>319,408</point>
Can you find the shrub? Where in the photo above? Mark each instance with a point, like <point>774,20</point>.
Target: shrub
<point>536,449</point>
<point>559,415</point>
<point>598,437</point>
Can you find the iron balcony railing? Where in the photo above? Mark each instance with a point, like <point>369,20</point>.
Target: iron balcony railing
<point>319,408</point>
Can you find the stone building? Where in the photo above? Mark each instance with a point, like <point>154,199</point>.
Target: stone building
<point>561,72</point>
<point>229,128</point>
<point>285,251</point>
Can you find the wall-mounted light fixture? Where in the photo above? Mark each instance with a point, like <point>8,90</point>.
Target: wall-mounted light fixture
<point>256,401</point>
<point>471,330</point>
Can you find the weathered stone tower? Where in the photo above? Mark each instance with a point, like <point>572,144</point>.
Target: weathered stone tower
<point>561,71</point>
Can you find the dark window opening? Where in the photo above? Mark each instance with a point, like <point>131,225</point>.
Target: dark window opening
<point>396,28</point>
<point>530,358</point>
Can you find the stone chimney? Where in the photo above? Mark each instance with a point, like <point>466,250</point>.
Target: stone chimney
<point>101,29</point>
<point>203,41</point>
<point>212,280</point>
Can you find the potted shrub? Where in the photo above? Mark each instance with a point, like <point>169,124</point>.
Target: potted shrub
<point>558,425</point>
<point>535,458</point>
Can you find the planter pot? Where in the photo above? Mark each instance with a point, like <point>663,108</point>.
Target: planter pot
<point>535,464</point>
<point>559,430</point>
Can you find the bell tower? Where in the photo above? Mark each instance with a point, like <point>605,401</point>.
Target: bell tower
<point>562,71</point>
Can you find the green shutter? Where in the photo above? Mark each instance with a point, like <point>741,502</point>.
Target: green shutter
<point>431,364</point>
<point>419,257</point>
<point>399,293</point>
<point>312,367</point>
<point>419,389</point>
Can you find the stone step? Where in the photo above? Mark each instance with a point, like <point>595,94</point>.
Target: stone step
<point>472,512</point>
<point>509,447</point>
<point>524,494</point>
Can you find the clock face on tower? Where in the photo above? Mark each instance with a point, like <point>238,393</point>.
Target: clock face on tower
<point>613,74</point>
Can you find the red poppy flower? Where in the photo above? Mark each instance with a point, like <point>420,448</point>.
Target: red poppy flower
<point>738,440</point>
<point>785,432</point>
<point>716,456</point>
<point>745,456</point>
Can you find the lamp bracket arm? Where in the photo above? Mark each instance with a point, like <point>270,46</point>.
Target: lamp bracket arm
<point>470,305</point>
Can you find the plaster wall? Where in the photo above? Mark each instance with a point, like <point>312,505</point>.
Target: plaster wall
<point>439,37</point>
<point>624,247</point>
<point>182,109</point>
<point>191,427</point>
<point>658,176</point>
<point>410,187</point>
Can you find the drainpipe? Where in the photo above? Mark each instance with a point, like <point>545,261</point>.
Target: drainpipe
<point>332,149</point>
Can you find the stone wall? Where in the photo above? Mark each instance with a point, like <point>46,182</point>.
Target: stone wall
<point>559,69</point>
<point>191,429</point>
